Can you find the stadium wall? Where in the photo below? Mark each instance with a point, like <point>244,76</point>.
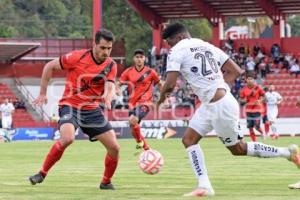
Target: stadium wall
<point>287,44</point>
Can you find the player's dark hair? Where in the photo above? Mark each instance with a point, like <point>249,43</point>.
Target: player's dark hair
<point>104,34</point>
<point>139,51</point>
<point>250,75</point>
<point>174,29</point>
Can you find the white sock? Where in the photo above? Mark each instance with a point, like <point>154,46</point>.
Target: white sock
<point>198,164</point>
<point>274,129</point>
<point>258,149</point>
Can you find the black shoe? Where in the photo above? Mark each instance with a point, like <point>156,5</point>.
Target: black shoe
<point>37,178</point>
<point>107,186</point>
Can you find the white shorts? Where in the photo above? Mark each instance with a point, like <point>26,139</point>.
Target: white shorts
<point>6,122</point>
<point>222,116</point>
<point>272,113</point>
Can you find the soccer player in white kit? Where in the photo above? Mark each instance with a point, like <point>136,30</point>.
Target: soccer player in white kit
<point>202,64</point>
<point>273,99</point>
<point>6,110</point>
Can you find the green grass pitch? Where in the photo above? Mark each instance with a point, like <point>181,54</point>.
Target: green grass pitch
<point>77,174</point>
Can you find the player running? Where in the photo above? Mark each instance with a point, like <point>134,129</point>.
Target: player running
<point>140,80</point>
<point>89,81</point>
<point>273,99</point>
<point>252,95</point>
<point>201,64</point>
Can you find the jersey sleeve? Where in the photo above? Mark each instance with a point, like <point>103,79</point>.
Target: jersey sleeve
<point>68,60</point>
<point>124,77</point>
<point>223,57</point>
<point>111,76</point>
<point>155,77</point>
<point>174,60</point>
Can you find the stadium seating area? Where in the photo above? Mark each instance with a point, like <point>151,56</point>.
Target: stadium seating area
<point>289,87</point>
<point>21,118</point>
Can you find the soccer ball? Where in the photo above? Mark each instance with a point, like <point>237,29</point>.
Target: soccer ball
<point>151,161</point>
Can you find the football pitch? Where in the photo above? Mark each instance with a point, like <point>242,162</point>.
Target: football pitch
<point>78,173</point>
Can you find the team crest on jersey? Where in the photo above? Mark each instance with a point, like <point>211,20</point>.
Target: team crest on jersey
<point>194,69</point>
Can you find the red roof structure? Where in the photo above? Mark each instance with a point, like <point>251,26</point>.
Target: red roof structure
<point>157,12</point>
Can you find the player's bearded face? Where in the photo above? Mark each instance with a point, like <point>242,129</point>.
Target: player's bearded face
<point>102,50</point>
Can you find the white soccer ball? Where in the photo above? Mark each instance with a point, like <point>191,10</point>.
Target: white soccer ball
<point>150,161</point>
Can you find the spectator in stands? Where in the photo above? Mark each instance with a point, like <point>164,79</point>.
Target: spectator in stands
<point>118,102</point>
<point>286,65</point>
<point>228,47</point>
<point>250,66</point>
<point>18,104</point>
<point>242,50</point>
<point>6,109</point>
<point>262,68</point>
<point>256,49</point>
<point>275,51</point>
<point>295,69</point>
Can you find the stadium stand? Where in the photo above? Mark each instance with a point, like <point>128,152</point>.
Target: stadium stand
<point>289,87</point>
<point>21,118</point>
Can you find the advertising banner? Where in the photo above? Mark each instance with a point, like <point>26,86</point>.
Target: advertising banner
<point>33,134</point>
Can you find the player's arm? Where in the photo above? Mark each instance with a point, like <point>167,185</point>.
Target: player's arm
<point>262,97</point>
<point>110,92</point>
<point>242,99</point>
<point>109,87</point>
<point>279,98</point>
<point>51,66</point>
<point>168,86</point>
<point>160,85</point>
<point>231,71</point>
<point>157,81</point>
<point>12,108</point>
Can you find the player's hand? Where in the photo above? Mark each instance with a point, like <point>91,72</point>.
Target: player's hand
<point>40,100</point>
<point>257,102</point>
<point>107,103</point>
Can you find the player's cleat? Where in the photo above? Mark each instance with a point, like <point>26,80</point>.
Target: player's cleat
<point>107,186</point>
<point>295,154</point>
<point>37,178</point>
<point>295,185</point>
<point>200,192</point>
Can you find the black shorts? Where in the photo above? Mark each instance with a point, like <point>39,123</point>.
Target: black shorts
<point>265,119</point>
<point>253,120</point>
<point>91,122</point>
<point>140,111</point>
